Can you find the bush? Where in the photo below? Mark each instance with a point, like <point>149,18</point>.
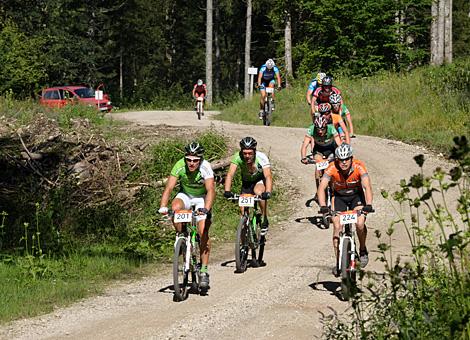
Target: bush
<point>426,297</point>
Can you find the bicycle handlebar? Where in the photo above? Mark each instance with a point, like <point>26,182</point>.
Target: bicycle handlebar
<point>359,212</point>
<point>235,197</point>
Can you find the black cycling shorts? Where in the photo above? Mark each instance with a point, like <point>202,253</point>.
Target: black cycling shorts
<point>325,150</point>
<point>248,187</point>
<point>343,203</point>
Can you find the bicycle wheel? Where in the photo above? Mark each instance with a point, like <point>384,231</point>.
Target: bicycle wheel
<point>261,239</point>
<point>268,112</point>
<point>347,279</point>
<point>199,109</point>
<point>241,246</point>
<point>180,276</point>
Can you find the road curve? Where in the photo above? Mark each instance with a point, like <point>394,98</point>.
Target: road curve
<point>283,300</point>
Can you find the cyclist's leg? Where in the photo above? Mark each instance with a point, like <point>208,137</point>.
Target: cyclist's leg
<point>262,91</point>
<point>181,201</point>
<point>361,228</point>
<point>203,225</point>
<point>258,189</point>
<point>271,84</point>
<point>337,204</point>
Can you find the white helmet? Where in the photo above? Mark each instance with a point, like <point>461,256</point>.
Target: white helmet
<point>320,76</point>
<point>200,82</point>
<point>270,63</point>
<point>344,151</point>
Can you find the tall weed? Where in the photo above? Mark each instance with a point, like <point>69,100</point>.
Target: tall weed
<point>426,294</point>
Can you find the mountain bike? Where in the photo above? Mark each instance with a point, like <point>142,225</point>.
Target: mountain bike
<point>186,254</point>
<point>347,251</point>
<point>268,106</point>
<point>248,233</point>
<point>200,107</point>
<point>320,166</point>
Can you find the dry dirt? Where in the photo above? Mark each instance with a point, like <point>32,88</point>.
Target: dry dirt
<point>283,300</point>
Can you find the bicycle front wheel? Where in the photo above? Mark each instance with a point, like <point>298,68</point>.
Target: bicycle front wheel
<point>199,109</point>
<point>180,275</point>
<point>347,277</point>
<point>268,113</point>
<point>241,245</point>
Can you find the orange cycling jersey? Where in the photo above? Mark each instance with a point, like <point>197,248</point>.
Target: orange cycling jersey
<point>336,118</point>
<point>346,185</point>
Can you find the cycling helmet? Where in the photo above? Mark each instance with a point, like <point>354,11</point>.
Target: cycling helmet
<point>248,143</point>
<point>324,108</point>
<point>200,82</point>
<point>344,151</point>
<point>194,149</point>
<point>335,98</point>
<point>327,81</point>
<point>320,122</point>
<point>320,76</point>
<point>270,63</point>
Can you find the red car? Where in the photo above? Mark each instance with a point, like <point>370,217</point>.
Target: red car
<point>60,96</point>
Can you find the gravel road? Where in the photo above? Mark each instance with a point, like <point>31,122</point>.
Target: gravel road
<point>282,300</point>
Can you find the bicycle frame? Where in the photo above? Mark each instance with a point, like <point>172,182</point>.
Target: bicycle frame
<point>189,232</point>
<point>348,232</point>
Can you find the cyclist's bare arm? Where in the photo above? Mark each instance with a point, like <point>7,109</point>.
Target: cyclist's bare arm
<point>170,185</point>
<point>367,186</point>
<point>351,127</point>
<point>313,104</point>
<point>210,196</point>
<point>259,78</point>
<point>338,139</point>
<point>321,191</point>
<point>228,180</point>
<point>303,150</point>
<point>279,80</point>
<point>268,178</point>
<point>194,92</point>
<point>346,132</point>
<point>309,97</point>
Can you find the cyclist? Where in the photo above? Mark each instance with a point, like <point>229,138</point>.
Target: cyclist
<point>323,138</point>
<point>326,111</point>
<point>266,76</point>
<point>338,107</point>
<point>256,176</point>
<point>352,189</point>
<point>314,84</point>
<point>197,187</point>
<point>199,90</point>
<point>322,94</point>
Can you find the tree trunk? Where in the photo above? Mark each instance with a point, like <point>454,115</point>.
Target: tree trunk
<point>440,33</point>
<point>434,31</point>
<point>121,83</point>
<point>246,88</point>
<point>288,48</point>
<point>209,32</point>
<point>448,32</point>
<point>217,53</point>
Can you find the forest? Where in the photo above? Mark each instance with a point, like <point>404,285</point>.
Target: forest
<point>143,51</point>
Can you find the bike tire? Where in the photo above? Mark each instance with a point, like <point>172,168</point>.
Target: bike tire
<point>241,246</point>
<point>347,280</point>
<point>268,113</point>
<point>261,239</point>
<point>199,110</point>
<point>180,277</point>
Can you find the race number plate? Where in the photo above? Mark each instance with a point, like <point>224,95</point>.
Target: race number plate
<point>183,216</point>
<point>322,165</point>
<point>269,90</point>
<point>246,201</point>
<point>347,217</point>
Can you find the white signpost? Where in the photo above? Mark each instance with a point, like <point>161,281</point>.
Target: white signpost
<point>99,97</point>
<point>252,71</point>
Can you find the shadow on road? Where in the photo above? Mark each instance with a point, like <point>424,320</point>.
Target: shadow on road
<point>327,286</point>
<point>315,220</point>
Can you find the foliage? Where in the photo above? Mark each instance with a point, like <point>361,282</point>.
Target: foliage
<point>426,295</point>
<point>156,51</point>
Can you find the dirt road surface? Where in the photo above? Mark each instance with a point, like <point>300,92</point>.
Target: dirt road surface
<point>282,300</point>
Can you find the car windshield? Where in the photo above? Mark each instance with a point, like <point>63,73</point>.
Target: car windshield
<point>85,92</point>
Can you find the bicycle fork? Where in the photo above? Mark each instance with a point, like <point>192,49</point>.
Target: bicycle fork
<point>352,253</point>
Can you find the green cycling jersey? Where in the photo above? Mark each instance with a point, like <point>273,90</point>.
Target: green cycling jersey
<point>192,183</point>
<point>256,173</point>
<point>327,139</point>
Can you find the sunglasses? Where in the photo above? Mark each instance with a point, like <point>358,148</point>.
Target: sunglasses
<point>344,160</point>
<point>192,160</point>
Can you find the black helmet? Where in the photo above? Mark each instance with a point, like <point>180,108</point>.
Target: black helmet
<point>194,149</point>
<point>248,143</point>
<point>327,81</point>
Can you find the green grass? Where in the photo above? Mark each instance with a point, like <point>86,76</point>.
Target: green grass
<point>64,281</point>
<point>406,107</point>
